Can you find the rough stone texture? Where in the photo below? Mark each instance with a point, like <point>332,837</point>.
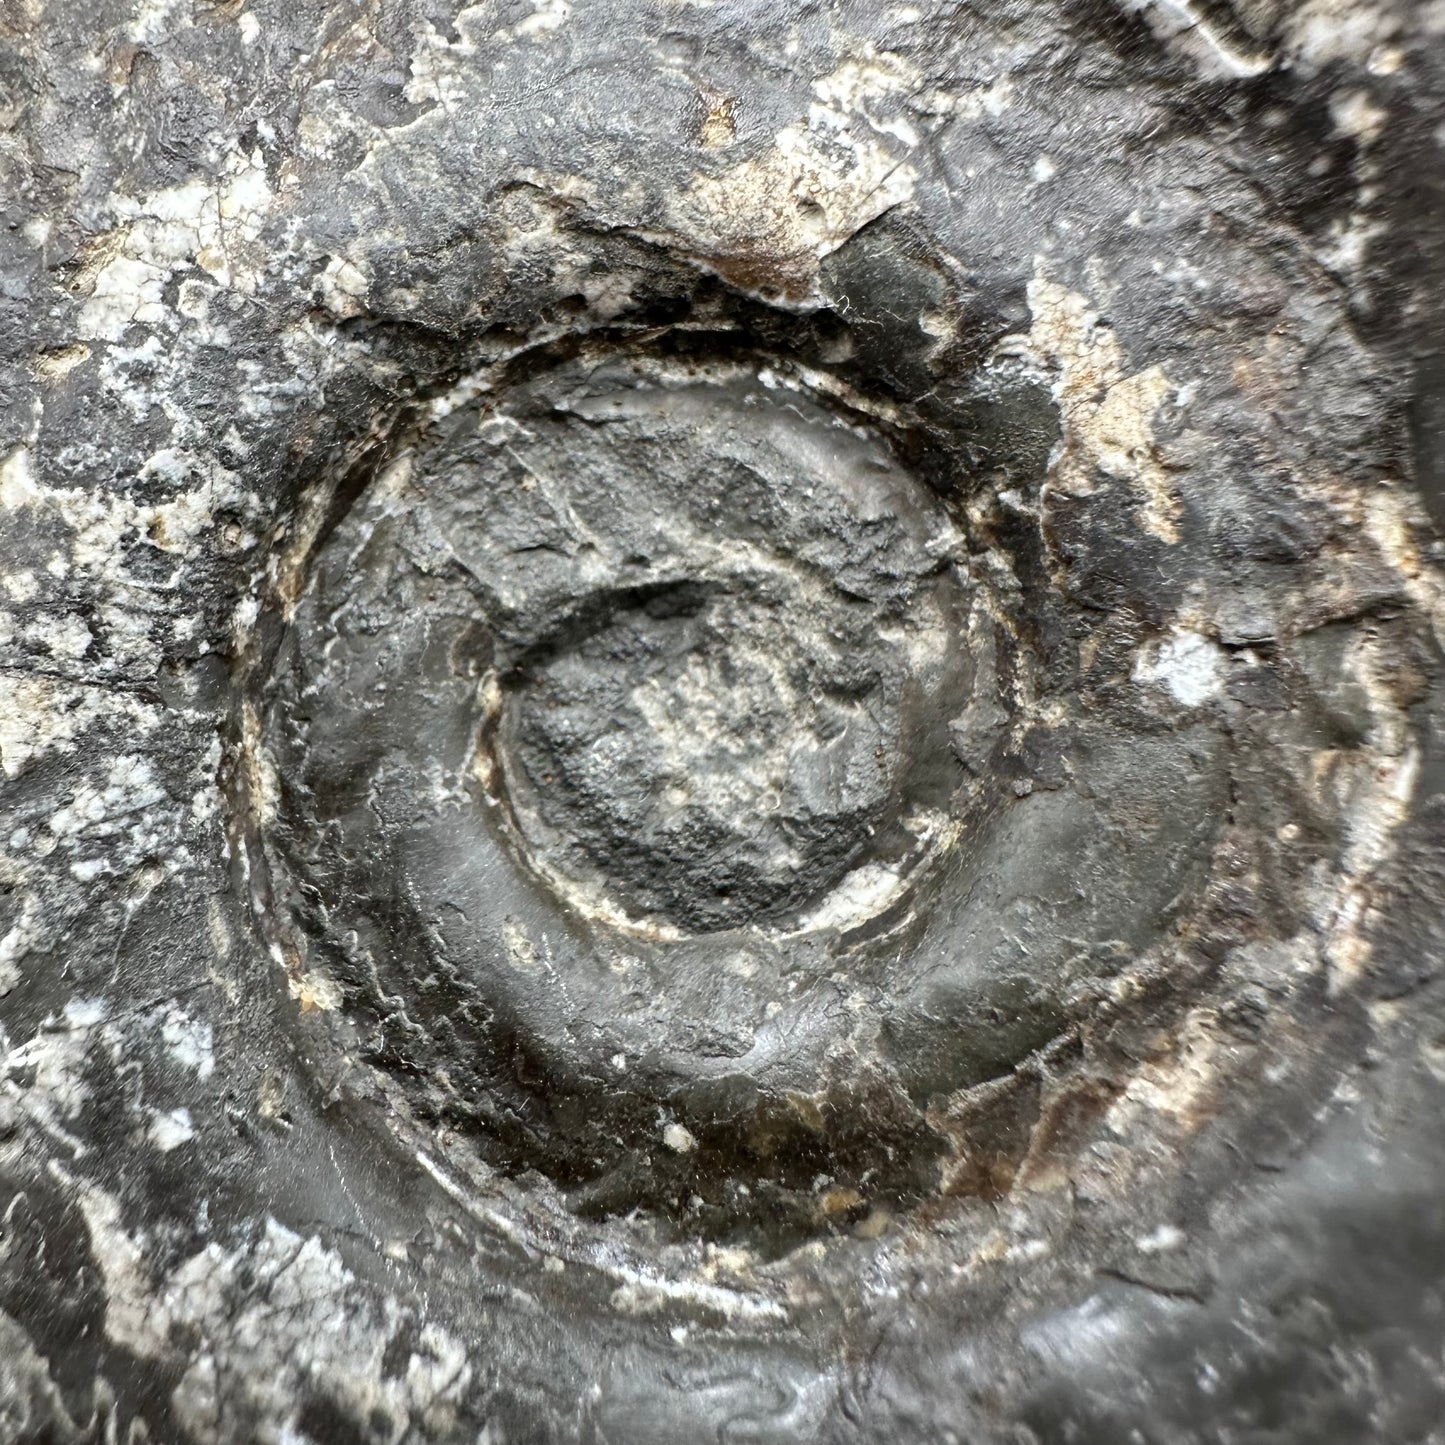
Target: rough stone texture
<point>722,721</point>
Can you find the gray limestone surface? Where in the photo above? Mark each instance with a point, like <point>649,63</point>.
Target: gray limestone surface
<point>722,722</point>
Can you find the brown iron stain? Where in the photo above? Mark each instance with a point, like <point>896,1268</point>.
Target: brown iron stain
<point>718,127</point>
<point>1067,1116</point>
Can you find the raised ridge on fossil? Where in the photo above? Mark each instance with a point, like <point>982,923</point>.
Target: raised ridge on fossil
<point>721,722</point>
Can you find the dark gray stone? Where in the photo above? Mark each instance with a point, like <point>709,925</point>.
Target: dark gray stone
<point>721,721</point>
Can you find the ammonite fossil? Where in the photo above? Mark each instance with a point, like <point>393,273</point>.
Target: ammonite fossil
<point>721,722</point>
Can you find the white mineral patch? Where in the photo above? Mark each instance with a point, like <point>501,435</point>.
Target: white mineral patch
<point>231,1300</point>
<point>990,99</point>
<point>521,951</point>
<point>316,991</point>
<point>1355,114</point>
<point>211,224</point>
<point>1387,59</point>
<point>549,15</point>
<point>1174,1090</point>
<point>1108,412</point>
<point>679,1139</point>
<point>190,1042</point>
<point>126,290</point>
<point>171,1129</point>
<point>58,1056</point>
<point>860,895</point>
<point>436,74</point>
<point>22,936</point>
<point>1379,790</point>
<point>85,1013</point>
<point>101,524</point>
<point>1187,25</point>
<point>21,586</point>
<point>17,485</point>
<point>644,1294</point>
<point>1320,32</point>
<point>39,715</point>
<point>68,638</point>
<point>156,20</point>
<point>1160,1241</point>
<point>874,86</point>
<point>95,809</point>
<point>1190,665</point>
<point>819,183</point>
<point>342,288</point>
<point>872,76</point>
<point>134,1316</point>
<point>1347,242</point>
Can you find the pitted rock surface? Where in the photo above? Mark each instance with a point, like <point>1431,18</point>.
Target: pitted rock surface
<point>721,722</point>
<point>723,624</point>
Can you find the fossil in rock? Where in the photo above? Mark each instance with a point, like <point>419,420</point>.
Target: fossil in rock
<point>721,722</point>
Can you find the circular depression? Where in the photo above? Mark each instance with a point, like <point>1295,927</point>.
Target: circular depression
<point>642,793</point>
